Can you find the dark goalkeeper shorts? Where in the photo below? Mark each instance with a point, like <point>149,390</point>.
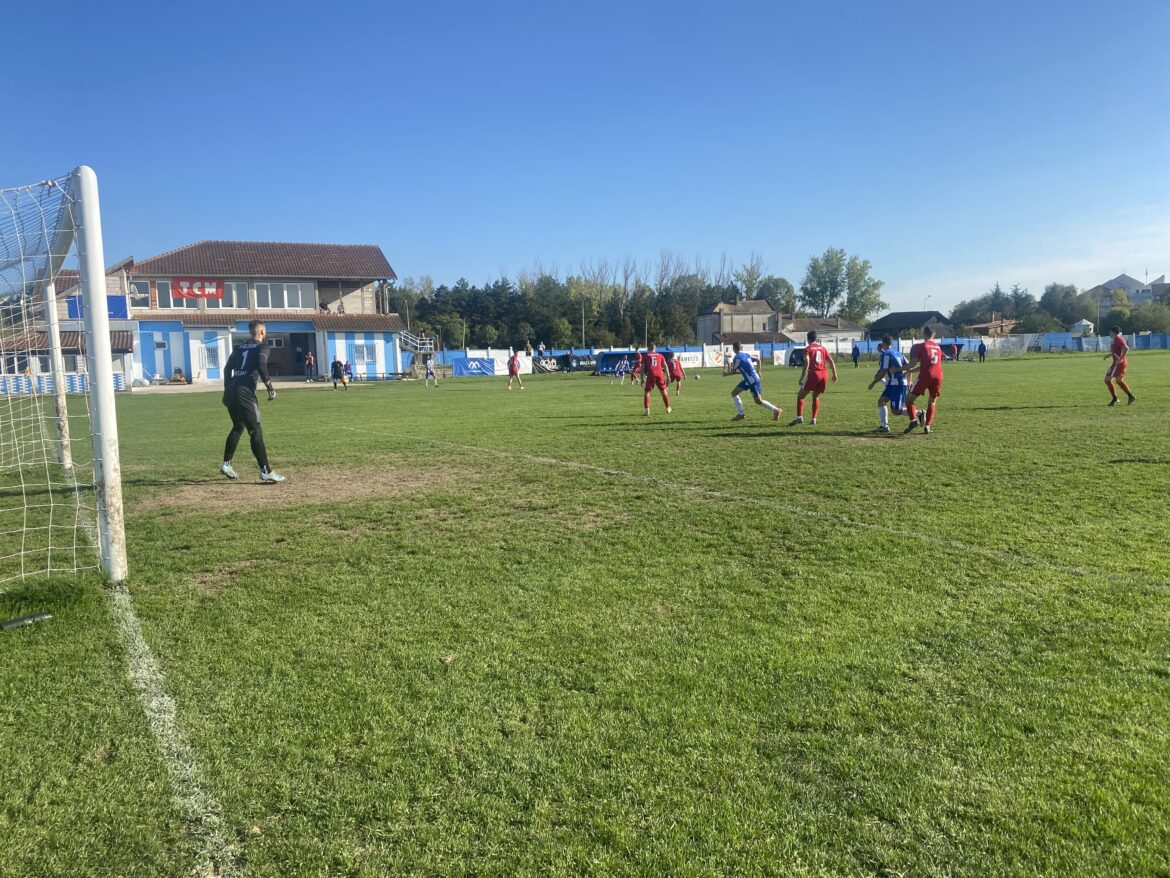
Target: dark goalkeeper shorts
<point>242,406</point>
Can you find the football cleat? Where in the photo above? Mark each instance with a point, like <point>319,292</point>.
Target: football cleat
<point>813,422</point>
<point>883,429</point>
<point>1132,398</point>
<point>776,414</point>
<point>270,476</point>
<point>926,428</point>
<point>669,410</point>
<point>797,420</point>
<point>922,419</point>
<point>227,470</point>
<point>1112,402</point>
<point>910,427</point>
<point>739,418</point>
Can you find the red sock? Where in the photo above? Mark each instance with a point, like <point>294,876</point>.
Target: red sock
<point>799,407</point>
<point>816,406</point>
<point>1124,387</point>
<point>930,414</point>
<point>911,410</point>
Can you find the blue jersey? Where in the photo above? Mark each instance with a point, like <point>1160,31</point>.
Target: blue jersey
<point>744,365</point>
<point>894,362</point>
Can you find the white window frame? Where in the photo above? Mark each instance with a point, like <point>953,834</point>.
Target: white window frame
<point>209,356</point>
<point>175,304</point>
<point>365,353</point>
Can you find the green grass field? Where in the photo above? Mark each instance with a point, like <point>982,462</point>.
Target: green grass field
<point>535,633</point>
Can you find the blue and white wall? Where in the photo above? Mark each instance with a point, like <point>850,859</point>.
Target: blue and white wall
<point>159,347</point>
<point>384,345</point>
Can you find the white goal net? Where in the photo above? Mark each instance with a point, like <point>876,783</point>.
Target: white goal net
<point>60,491</point>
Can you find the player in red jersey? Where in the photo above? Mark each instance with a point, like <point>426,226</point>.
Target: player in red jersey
<point>676,373</point>
<point>654,368</point>
<point>514,370</point>
<point>814,377</point>
<point>926,358</point>
<point>637,370</point>
<point>1119,351</point>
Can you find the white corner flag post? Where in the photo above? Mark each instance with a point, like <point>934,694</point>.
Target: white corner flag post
<point>99,365</point>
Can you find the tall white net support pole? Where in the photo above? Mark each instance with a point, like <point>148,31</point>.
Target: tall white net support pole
<point>62,238</point>
<point>100,367</point>
<point>57,367</point>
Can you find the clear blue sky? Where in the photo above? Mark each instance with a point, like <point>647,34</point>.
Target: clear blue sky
<point>953,145</point>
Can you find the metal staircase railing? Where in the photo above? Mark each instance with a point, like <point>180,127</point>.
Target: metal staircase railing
<point>420,345</point>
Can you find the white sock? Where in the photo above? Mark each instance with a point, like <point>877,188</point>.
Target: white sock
<point>883,416</point>
<point>738,405</point>
<point>767,405</point>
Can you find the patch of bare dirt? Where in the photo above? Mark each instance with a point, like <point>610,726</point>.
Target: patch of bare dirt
<point>305,485</point>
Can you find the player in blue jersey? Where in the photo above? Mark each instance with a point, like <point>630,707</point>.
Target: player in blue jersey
<point>743,365</point>
<point>893,368</point>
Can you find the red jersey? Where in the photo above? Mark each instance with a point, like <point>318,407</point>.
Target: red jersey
<point>514,362</point>
<point>676,368</point>
<point>1119,350</point>
<point>653,363</point>
<point>930,355</point>
<point>817,358</point>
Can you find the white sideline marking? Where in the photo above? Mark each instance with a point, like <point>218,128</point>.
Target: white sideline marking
<point>200,810</point>
<point>841,518</point>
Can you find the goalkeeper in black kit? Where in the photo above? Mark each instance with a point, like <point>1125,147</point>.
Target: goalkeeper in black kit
<point>247,362</point>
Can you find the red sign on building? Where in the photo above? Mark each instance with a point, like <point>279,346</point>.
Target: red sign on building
<point>197,287</point>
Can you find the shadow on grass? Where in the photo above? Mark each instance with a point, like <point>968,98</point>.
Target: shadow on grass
<point>1154,461</point>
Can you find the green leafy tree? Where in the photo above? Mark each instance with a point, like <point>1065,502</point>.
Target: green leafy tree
<point>824,283</point>
<point>1149,317</point>
<point>1064,303</point>
<point>1039,321</point>
<point>1120,300</point>
<point>862,292</point>
<point>779,293</point>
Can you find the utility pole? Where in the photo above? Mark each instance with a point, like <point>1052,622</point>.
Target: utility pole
<point>582,323</point>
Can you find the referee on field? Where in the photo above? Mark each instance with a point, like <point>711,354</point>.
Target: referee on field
<point>247,362</point>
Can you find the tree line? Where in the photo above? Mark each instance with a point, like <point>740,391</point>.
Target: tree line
<point>1060,306</point>
<point>623,302</point>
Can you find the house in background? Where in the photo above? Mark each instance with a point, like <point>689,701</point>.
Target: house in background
<point>749,317</point>
<point>1002,326</point>
<point>910,324</point>
<point>1137,292</point>
<point>754,321</point>
<point>188,308</point>
<point>1082,328</point>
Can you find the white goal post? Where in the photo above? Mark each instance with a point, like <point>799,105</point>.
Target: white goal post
<point>53,498</point>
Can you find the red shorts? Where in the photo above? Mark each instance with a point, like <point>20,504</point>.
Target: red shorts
<point>513,373</point>
<point>1117,370</point>
<point>815,383</point>
<point>653,381</point>
<point>929,386</point>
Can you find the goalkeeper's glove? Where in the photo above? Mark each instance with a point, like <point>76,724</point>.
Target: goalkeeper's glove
<point>271,393</point>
